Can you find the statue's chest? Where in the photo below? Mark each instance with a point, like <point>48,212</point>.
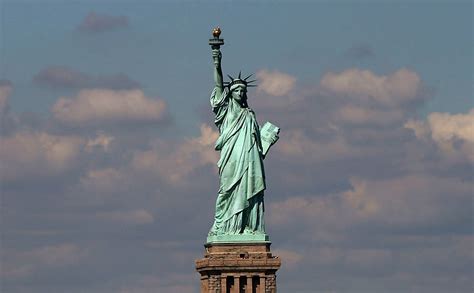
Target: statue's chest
<point>234,114</point>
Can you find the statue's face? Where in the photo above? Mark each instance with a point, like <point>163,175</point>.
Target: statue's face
<point>239,94</point>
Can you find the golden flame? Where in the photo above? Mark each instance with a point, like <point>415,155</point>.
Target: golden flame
<point>216,32</point>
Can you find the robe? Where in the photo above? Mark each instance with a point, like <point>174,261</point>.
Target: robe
<point>239,205</point>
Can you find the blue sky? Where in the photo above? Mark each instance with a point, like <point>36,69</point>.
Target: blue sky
<point>163,49</point>
<point>109,179</point>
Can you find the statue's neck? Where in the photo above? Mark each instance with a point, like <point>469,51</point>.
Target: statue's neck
<point>241,104</point>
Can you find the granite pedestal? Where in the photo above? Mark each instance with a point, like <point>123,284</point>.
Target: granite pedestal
<point>238,268</point>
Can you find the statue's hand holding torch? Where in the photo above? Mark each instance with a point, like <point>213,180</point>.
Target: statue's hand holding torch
<point>215,44</point>
<point>217,57</point>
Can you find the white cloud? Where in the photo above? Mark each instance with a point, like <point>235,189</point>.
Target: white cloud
<point>295,143</point>
<point>449,127</point>
<point>452,133</point>
<point>38,154</point>
<point>101,141</point>
<point>397,88</point>
<point>275,83</point>
<point>188,156</point>
<point>101,106</point>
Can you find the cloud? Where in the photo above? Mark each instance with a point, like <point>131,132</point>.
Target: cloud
<point>38,154</point>
<point>295,143</point>
<point>100,106</point>
<point>310,214</point>
<point>182,161</point>
<point>359,200</point>
<point>349,188</point>
<point>103,181</point>
<point>407,203</point>
<point>399,262</point>
<point>348,101</point>
<point>452,133</point>
<point>102,141</point>
<point>96,23</point>
<point>68,78</point>
<point>420,201</point>
<point>275,83</point>
<point>401,87</point>
<point>5,91</point>
<point>362,115</point>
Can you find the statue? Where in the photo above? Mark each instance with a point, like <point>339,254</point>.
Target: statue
<point>239,215</point>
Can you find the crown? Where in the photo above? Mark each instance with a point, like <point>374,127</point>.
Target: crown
<point>239,80</point>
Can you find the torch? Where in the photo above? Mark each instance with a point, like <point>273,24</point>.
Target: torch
<point>216,42</point>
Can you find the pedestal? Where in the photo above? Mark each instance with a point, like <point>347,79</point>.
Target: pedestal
<point>238,268</point>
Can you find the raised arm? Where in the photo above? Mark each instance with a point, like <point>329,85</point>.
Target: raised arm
<point>217,57</point>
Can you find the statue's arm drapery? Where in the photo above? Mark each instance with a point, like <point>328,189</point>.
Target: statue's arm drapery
<point>219,103</point>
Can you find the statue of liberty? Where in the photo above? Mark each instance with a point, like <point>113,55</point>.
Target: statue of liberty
<point>242,145</point>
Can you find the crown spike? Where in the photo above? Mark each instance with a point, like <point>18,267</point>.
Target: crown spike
<point>240,81</point>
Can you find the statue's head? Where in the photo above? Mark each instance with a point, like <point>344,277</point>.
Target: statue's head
<point>239,93</point>
<point>238,88</point>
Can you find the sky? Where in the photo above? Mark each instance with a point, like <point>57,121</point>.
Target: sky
<point>108,168</point>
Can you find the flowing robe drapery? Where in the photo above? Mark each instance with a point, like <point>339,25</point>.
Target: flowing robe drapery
<point>239,205</point>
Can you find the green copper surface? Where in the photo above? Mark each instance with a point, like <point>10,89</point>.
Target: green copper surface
<point>238,238</point>
<point>239,215</point>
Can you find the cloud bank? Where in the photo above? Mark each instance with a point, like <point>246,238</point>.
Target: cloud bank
<point>452,133</point>
<point>275,83</point>
<point>361,194</point>
<point>101,106</point>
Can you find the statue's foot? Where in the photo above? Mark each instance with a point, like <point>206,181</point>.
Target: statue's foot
<point>213,232</point>
<point>248,231</point>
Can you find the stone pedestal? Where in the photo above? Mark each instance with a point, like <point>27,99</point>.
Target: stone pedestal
<point>238,268</point>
